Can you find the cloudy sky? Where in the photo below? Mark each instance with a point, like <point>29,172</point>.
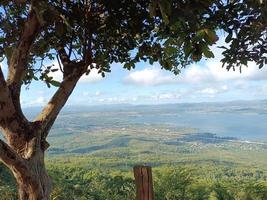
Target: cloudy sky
<point>205,81</point>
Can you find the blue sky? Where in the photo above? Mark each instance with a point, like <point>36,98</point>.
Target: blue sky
<point>205,81</point>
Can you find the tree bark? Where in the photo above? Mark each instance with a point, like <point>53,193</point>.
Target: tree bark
<point>34,184</point>
<point>28,167</point>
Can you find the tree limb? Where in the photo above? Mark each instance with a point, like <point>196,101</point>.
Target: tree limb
<point>18,62</point>
<point>52,109</point>
<point>6,107</point>
<point>2,78</point>
<point>11,121</point>
<point>20,1</point>
<point>72,72</point>
<point>68,65</point>
<point>10,158</point>
<point>64,58</point>
<point>3,95</point>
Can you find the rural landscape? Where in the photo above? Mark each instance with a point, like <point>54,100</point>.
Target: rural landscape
<point>94,149</point>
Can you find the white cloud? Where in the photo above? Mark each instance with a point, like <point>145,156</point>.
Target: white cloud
<point>208,91</point>
<point>213,90</point>
<point>194,74</point>
<point>40,101</point>
<point>92,77</point>
<point>196,91</point>
<point>163,96</point>
<point>113,100</point>
<point>118,100</point>
<point>98,93</point>
<point>148,77</point>
<point>95,94</point>
<point>169,95</point>
<point>85,94</point>
<point>134,99</point>
<point>252,72</point>
<point>213,72</point>
<point>208,72</point>
<point>224,87</point>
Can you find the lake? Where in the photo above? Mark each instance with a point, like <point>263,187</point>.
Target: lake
<point>245,120</point>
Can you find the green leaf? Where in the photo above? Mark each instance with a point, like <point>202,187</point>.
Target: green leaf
<point>196,57</point>
<point>229,37</point>
<point>244,62</point>
<point>54,70</point>
<point>261,65</point>
<point>55,83</point>
<point>187,49</point>
<point>170,50</point>
<point>165,9</point>
<point>208,53</point>
<point>211,35</point>
<point>201,33</point>
<point>2,39</point>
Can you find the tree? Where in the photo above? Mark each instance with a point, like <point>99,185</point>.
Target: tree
<point>174,184</point>
<point>222,193</point>
<point>257,191</point>
<point>87,34</point>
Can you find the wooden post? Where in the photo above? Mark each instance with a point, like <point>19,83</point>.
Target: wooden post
<point>143,183</point>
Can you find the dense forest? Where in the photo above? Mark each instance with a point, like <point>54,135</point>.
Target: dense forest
<point>203,182</point>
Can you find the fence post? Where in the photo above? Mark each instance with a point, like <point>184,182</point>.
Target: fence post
<point>143,183</point>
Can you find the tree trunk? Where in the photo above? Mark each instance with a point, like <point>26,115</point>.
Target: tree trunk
<point>25,158</point>
<point>34,183</point>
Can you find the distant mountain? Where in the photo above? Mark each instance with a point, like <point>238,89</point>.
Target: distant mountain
<point>253,106</point>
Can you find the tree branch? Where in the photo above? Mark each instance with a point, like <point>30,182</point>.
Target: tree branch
<point>2,78</point>
<point>10,158</point>
<point>11,121</point>
<point>64,58</point>
<point>6,107</point>
<point>20,1</point>
<point>11,124</point>
<point>52,109</point>
<point>18,62</point>
<point>3,96</point>
<point>72,71</point>
<point>68,65</point>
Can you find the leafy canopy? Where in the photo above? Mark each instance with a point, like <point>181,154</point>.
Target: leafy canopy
<point>246,25</point>
<point>101,32</point>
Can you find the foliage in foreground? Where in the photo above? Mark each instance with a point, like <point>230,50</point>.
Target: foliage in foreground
<point>169,184</point>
